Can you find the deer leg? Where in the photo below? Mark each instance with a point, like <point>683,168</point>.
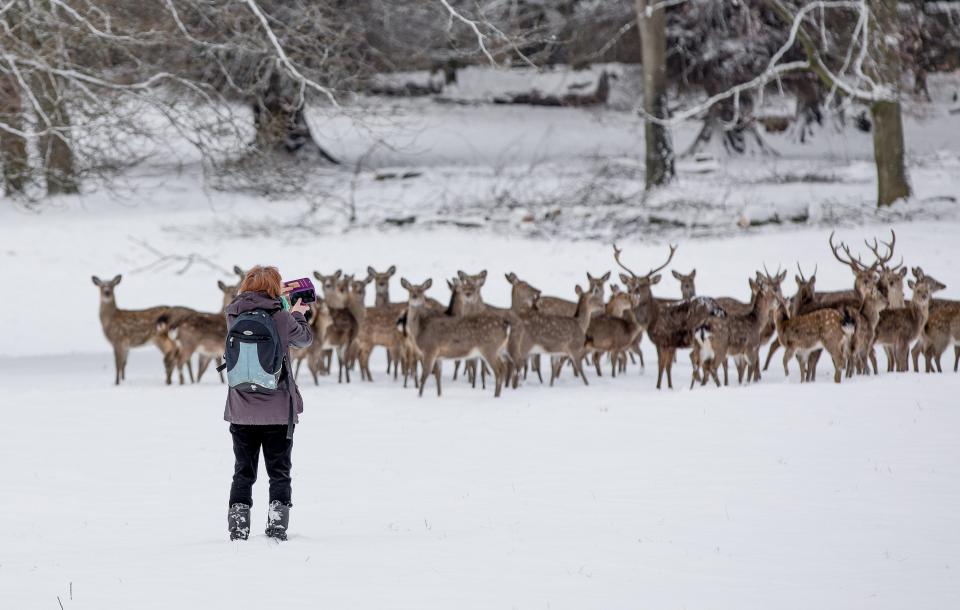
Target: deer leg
<point>118,365</point>
<point>915,355</point>
<point>437,370</point>
<point>536,367</point>
<point>936,360</point>
<point>202,364</point>
<point>456,369</point>
<point>660,366</point>
<point>427,369</point>
<point>596,363</point>
<point>483,374</point>
<point>577,362</point>
<point>670,361</point>
<point>738,360</point>
<point>726,369</point>
<point>774,346</point>
<point>890,359</point>
<point>837,357</point>
<point>956,357</point>
<point>787,356</point>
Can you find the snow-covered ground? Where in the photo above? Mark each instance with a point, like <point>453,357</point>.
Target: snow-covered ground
<point>778,495</point>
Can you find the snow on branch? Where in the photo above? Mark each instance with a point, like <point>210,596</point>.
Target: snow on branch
<point>863,88</point>
<point>284,60</point>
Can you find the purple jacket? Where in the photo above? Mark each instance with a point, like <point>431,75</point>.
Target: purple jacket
<point>267,409</point>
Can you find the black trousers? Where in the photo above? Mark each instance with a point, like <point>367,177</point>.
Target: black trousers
<point>247,442</point>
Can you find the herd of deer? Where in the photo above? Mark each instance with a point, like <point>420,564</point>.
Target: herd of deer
<point>419,333</point>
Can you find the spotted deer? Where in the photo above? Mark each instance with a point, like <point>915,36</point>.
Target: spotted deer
<point>737,335</point>
<point>802,334</point>
<point>439,337</point>
<point>614,332</point>
<point>553,335</point>
<point>899,328</point>
<point>128,328</point>
<point>867,317</point>
<point>669,326</point>
<point>940,332</point>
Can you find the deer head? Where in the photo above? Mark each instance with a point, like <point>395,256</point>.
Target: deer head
<point>106,288</point>
<point>687,288</point>
<point>597,283</point>
<point>891,278</point>
<point>328,284</point>
<point>639,285</point>
<point>381,282</point>
<point>416,293</point>
<point>522,294</point>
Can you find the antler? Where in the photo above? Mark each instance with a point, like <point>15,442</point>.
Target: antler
<point>853,262</point>
<point>883,260</point>
<point>673,250</point>
<point>616,256</point>
<point>800,271</point>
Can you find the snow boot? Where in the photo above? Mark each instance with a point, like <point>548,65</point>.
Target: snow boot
<point>238,521</point>
<point>278,518</point>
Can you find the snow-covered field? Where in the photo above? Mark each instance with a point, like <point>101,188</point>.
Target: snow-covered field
<point>778,495</point>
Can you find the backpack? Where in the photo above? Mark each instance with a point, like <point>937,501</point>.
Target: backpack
<point>254,353</point>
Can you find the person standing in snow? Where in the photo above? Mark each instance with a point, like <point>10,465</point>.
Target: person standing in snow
<point>263,417</point>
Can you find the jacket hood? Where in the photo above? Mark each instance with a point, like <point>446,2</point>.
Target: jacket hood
<point>248,301</point>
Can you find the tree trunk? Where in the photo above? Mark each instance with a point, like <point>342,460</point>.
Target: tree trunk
<point>280,123</point>
<point>888,146</point>
<point>653,42</point>
<point>13,148</point>
<point>892,181</point>
<point>56,151</point>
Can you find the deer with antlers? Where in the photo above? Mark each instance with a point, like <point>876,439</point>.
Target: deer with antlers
<point>669,326</point>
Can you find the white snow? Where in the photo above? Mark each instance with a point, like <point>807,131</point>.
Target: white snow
<point>778,495</point>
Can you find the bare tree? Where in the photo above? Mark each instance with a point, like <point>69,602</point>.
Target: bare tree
<point>652,23</point>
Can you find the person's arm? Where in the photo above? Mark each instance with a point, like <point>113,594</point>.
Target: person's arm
<point>300,334</point>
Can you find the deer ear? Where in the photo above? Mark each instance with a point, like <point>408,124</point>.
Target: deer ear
<point>316,275</point>
<point>221,285</point>
<point>511,277</point>
<point>116,280</point>
<point>337,274</point>
<point>579,290</point>
<point>392,270</point>
<point>238,270</point>
<point>625,279</point>
<point>912,284</point>
<point>483,276</point>
<point>428,283</point>
<point>693,274</point>
<point>461,275</point>
<point>370,271</point>
<point>676,275</point>
<point>96,281</point>
<point>797,280</point>
<point>451,286</point>
<point>813,280</point>
<point>902,273</point>
<point>605,277</point>
<point>405,283</point>
<point>655,279</point>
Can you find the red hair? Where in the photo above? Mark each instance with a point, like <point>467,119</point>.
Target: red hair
<point>262,279</point>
